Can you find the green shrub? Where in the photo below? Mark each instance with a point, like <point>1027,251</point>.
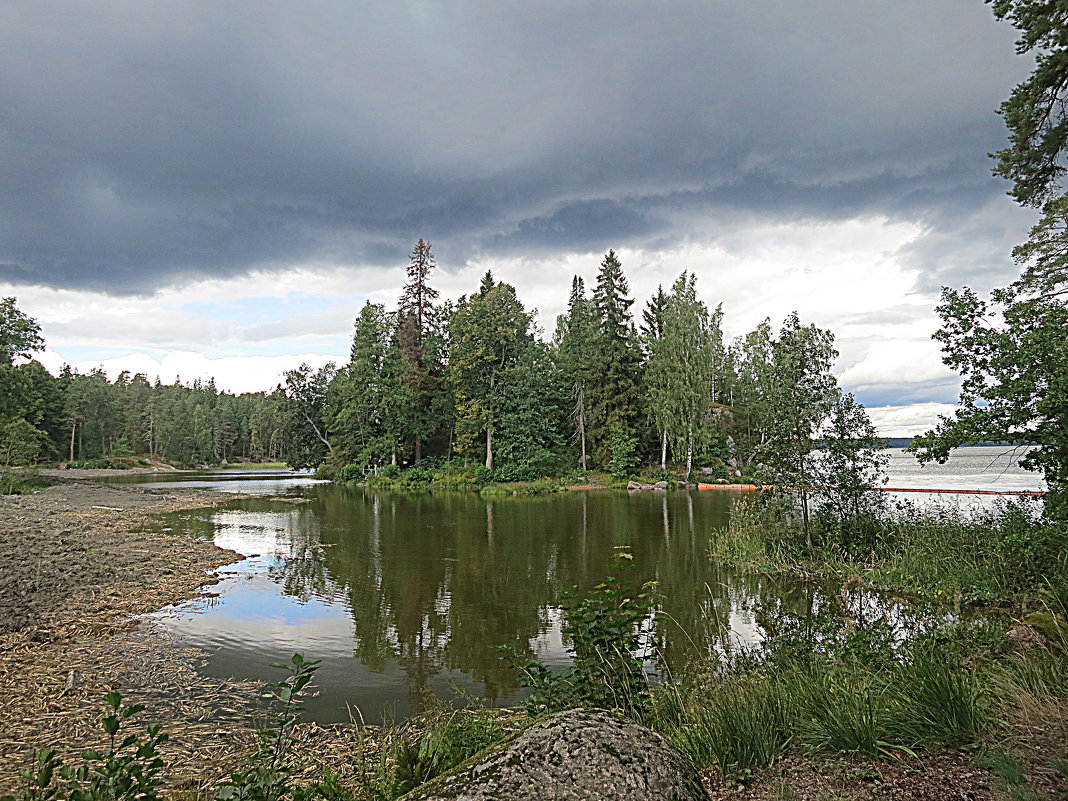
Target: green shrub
<point>389,471</point>
<point>450,478</point>
<point>350,472</point>
<point>121,447</point>
<point>431,463</point>
<point>516,472</point>
<point>21,443</point>
<point>98,464</point>
<point>483,475</point>
<point>842,711</point>
<point>21,482</point>
<point>623,449</point>
<point>607,649</point>
<point>268,776</point>
<point>541,486</point>
<point>940,701</point>
<point>451,736</point>
<point>417,475</point>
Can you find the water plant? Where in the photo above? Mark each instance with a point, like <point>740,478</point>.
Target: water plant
<point>268,776</point>
<point>607,646</point>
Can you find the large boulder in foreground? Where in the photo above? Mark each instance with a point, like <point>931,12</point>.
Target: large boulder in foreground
<point>579,755</point>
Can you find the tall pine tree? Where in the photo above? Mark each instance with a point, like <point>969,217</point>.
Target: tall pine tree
<point>575,339</point>
<point>614,394</point>
<point>490,335</point>
<point>417,324</point>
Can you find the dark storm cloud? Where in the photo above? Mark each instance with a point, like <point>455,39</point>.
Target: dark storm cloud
<point>151,143</point>
<point>901,393</point>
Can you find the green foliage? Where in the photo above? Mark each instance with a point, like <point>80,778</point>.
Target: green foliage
<point>991,554</point>
<point>1034,112</point>
<point>746,726</point>
<point>849,465</point>
<point>20,443</point>
<point>419,404</point>
<point>350,472</point>
<point>830,684</point>
<point>941,702</point>
<point>1010,350</point>
<point>490,337</point>
<point>574,343</point>
<point>121,447</point>
<point>613,389</point>
<point>607,648</point>
<point>1015,380</point>
<point>22,482</point>
<point>517,472</point>
<point>423,748</point>
<point>305,411</point>
<point>844,711</point>
<point>447,738</point>
<point>100,464</point>
<point>681,368</point>
<point>126,770</point>
<point>268,778</point>
<point>622,450</point>
<point>19,333</point>
<point>417,475</point>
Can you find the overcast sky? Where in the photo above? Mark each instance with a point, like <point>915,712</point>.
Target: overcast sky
<point>197,188</point>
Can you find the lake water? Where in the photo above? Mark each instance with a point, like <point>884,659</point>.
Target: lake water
<point>404,593</point>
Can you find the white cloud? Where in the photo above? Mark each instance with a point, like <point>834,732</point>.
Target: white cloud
<point>850,277</point>
<point>897,362</point>
<point>231,373</point>
<point>910,420</point>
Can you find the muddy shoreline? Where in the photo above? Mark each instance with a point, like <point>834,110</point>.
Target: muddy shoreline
<point>77,568</point>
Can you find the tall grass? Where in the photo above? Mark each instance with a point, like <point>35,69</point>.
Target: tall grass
<point>938,701</point>
<point>852,696</point>
<point>841,710</point>
<point>745,725</point>
<point>997,553</point>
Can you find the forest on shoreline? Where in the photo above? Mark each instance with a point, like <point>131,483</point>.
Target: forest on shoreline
<point>468,382</point>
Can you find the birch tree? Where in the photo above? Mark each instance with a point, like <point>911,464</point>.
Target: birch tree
<point>681,369</point>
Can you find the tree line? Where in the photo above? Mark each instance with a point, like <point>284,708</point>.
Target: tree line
<point>85,417</point>
<point>471,381</point>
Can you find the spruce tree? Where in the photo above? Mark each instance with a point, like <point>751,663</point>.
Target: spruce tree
<point>614,394</point>
<point>575,340</point>
<point>417,321</point>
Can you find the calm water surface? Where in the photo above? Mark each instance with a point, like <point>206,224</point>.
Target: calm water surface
<point>404,593</point>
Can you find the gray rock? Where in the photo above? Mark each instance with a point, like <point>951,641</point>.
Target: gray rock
<point>579,755</point>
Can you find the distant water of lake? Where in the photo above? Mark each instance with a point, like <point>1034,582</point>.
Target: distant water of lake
<point>987,467</point>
